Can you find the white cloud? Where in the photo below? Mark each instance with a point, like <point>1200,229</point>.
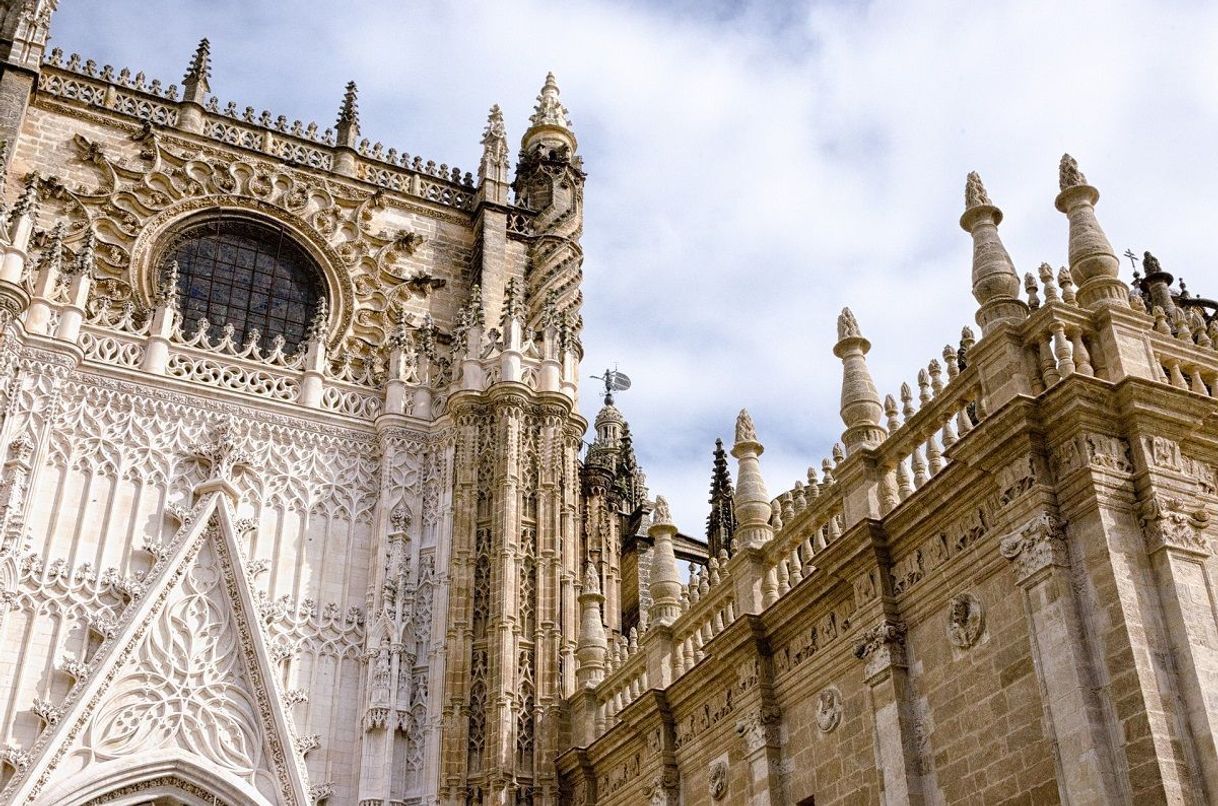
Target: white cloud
<point>752,170</point>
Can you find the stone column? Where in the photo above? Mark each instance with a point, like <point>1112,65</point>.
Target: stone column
<point>1086,772</point>
<point>882,647</point>
<point>1174,528</point>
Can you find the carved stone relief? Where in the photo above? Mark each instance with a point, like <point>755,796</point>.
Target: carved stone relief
<point>1036,545</point>
<point>828,709</point>
<point>965,620</point>
<point>717,779</point>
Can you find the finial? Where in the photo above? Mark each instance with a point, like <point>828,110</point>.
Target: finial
<point>592,580</point>
<point>549,110</point>
<point>197,81</point>
<point>549,123</point>
<point>974,192</point>
<point>1068,174</point>
<point>473,313</point>
<point>86,257</point>
<point>745,430</point>
<point>54,253</point>
<point>661,515</point>
<point>494,164</point>
<point>320,322</point>
<point>347,126</point>
<point>847,325</point>
<point>494,136</point>
<point>27,202</point>
<point>513,304</point>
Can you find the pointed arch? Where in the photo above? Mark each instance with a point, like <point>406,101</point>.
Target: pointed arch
<point>169,774</point>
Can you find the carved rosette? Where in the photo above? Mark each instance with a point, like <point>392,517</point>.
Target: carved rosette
<point>882,647</point>
<point>1170,523</point>
<point>1035,546</point>
<point>759,728</point>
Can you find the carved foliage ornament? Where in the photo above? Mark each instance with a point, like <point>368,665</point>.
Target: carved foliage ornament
<point>882,647</point>
<point>135,203</point>
<point>965,620</point>
<point>1170,523</point>
<point>1036,545</point>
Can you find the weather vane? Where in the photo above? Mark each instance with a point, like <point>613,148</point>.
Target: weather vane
<point>614,382</point>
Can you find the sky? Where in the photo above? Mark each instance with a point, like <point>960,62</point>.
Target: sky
<point>753,167</point>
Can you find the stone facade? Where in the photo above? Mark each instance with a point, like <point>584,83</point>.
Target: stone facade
<point>381,570</point>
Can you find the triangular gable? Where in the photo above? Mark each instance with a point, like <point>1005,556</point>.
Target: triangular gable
<point>189,670</point>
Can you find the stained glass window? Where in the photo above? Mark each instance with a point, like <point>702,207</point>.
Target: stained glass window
<point>249,275</point>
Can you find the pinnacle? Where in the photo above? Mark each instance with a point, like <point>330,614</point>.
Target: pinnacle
<point>974,192</point>
<point>549,110</point>
<point>200,64</point>
<point>348,113</point>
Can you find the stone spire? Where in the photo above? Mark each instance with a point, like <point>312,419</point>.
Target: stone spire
<point>665,580</point>
<point>347,126</point>
<point>197,81</point>
<point>1093,265</point>
<point>549,122</point>
<point>494,164</point>
<point>995,282</point>
<point>751,501</point>
<point>861,406</point>
<point>592,643</point>
<point>721,522</point>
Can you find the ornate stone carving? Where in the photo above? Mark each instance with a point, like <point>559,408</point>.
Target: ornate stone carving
<point>828,709</point>
<point>965,620</point>
<point>1036,545</point>
<point>1016,478</point>
<point>882,647</point>
<point>1093,450</point>
<point>759,728</point>
<point>717,779</point>
<point>1170,523</point>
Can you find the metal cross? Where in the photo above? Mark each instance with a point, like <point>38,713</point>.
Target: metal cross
<point>1133,259</point>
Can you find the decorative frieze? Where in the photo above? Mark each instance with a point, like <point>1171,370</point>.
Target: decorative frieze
<point>1099,451</point>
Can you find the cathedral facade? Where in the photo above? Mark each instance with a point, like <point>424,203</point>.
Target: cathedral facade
<point>296,505</point>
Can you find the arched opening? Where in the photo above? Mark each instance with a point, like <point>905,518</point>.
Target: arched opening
<point>246,273</point>
<point>158,777</point>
